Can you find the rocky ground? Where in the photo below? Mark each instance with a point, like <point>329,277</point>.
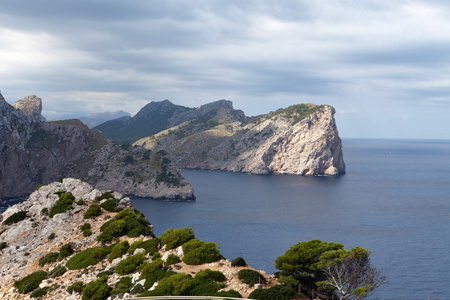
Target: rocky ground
<point>28,240</point>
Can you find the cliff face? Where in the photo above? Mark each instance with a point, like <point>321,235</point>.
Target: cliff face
<point>24,244</point>
<point>34,152</point>
<point>300,140</point>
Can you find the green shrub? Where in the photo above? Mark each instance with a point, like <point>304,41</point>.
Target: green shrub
<point>150,246</point>
<point>124,284</point>
<point>44,211</point>
<point>152,272</point>
<point>38,293</point>
<point>93,211</point>
<point>48,258</point>
<point>111,229</point>
<point>63,204</point>
<point>96,290</point>
<point>134,246</point>
<point>276,292</point>
<point>238,262</point>
<point>16,217</point>
<point>76,287</point>
<point>65,251</point>
<point>85,226</point>
<point>52,236</point>
<point>202,254</point>
<point>81,202</point>
<point>31,282</point>
<point>131,223</point>
<point>172,259</point>
<point>173,285</point>
<point>110,205</point>
<point>104,273</point>
<point>250,277</point>
<point>229,293</point>
<point>118,250</point>
<point>157,255</point>
<point>105,195</point>
<point>3,245</point>
<point>210,274</point>
<point>87,257</point>
<point>173,238</point>
<point>57,271</point>
<point>39,186</point>
<point>87,232</point>
<point>130,264</point>
<point>138,288</point>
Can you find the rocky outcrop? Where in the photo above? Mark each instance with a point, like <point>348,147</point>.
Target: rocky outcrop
<point>32,106</point>
<point>34,153</point>
<point>300,140</point>
<point>24,243</point>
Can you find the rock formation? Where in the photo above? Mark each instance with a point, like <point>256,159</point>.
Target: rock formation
<point>35,242</point>
<point>32,106</point>
<point>301,140</point>
<point>34,152</point>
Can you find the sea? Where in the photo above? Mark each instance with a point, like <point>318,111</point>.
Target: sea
<point>394,200</point>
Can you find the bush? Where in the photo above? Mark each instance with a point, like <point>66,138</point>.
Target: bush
<point>150,246</point>
<point>276,292</point>
<point>201,254</point>
<point>80,202</point>
<point>87,232</point>
<point>16,217</point>
<point>105,195</point>
<point>93,211</point>
<point>134,246</point>
<point>85,226</point>
<point>57,271</point>
<point>138,288</point>
<point>76,287</point>
<point>44,211</point>
<point>157,255</point>
<point>131,223</point>
<point>65,251</point>
<point>39,293</point>
<point>124,284</point>
<point>3,245</point>
<point>118,250</point>
<point>238,262</point>
<point>110,205</point>
<point>31,282</point>
<point>152,272</point>
<point>172,259</point>
<point>87,257</point>
<point>96,290</point>
<point>130,264</point>
<point>104,273</point>
<point>48,258</point>
<point>208,274</point>
<point>229,293</point>
<point>250,277</point>
<point>63,204</point>
<point>173,238</point>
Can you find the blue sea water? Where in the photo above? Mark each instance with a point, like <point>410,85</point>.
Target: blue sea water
<point>394,200</point>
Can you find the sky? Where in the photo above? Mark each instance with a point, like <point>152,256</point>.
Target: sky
<point>383,65</point>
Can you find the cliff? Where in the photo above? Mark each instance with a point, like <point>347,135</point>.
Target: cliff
<point>34,152</point>
<point>301,140</point>
<point>56,244</point>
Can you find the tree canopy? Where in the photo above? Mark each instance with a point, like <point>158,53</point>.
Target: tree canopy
<point>323,269</point>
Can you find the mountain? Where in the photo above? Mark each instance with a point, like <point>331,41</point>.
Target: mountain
<point>34,152</point>
<point>72,241</point>
<point>301,139</point>
<point>152,118</point>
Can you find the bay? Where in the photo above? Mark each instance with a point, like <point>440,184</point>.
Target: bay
<point>394,200</point>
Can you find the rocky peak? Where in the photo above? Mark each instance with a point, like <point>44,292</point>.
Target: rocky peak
<point>158,107</point>
<point>32,106</point>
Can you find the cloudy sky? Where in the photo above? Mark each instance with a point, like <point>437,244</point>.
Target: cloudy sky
<point>384,65</point>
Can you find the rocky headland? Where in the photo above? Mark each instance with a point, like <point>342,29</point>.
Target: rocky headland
<point>300,140</point>
<point>33,152</point>
<point>64,242</point>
